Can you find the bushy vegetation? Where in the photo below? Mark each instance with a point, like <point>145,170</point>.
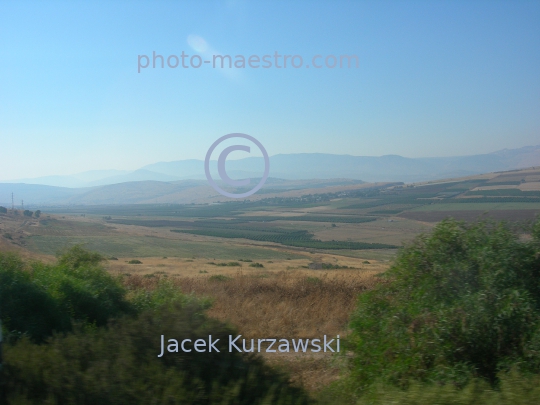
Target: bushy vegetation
<point>218,277</point>
<point>77,336</point>
<point>119,365</point>
<point>514,389</point>
<point>38,299</point>
<point>134,261</point>
<point>459,305</point>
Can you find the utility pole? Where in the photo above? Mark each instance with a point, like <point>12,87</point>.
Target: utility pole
<point>22,204</point>
<point>12,203</point>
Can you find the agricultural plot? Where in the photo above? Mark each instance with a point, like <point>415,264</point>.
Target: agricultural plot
<point>382,216</point>
<point>131,246</point>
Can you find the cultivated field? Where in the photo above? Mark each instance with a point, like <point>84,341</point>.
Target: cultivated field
<point>287,265</point>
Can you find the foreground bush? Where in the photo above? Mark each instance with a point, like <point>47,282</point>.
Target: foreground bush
<point>38,299</point>
<point>461,303</point>
<point>77,337</point>
<point>119,365</point>
<point>514,389</point>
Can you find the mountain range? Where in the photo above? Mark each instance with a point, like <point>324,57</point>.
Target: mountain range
<point>169,181</point>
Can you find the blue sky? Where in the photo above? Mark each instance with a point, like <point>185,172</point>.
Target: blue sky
<point>436,78</point>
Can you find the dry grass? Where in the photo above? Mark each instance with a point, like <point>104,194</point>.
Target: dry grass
<point>282,304</point>
<point>294,304</point>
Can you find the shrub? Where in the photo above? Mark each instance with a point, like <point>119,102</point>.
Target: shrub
<point>77,256</point>
<point>120,365</point>
<point>230,264</point>
<point>515,389</point>
<point>28,213</point>
<point>258,265</point>
<point>27,307</point>
<point>462,302</point>
<point>3,210</point>
<point>164,295</point>
<point>218,277</point>
<point>38,299</point>
<point>134,261</point>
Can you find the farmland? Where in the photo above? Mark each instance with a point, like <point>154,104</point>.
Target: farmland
<point>291,265</point>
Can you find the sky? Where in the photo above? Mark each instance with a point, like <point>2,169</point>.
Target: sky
<point>434,78</point>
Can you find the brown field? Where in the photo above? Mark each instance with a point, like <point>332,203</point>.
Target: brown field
<point>264,303</point>
<point>391,230</point>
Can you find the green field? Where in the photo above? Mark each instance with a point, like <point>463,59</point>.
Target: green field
<point>346,222</point>
<point>478,206</point>
<point>132,246</point>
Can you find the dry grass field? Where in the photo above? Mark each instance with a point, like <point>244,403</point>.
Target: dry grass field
<point>280,300</point>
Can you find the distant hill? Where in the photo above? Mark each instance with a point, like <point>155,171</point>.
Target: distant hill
<point>303,166</point>
<point>366,168</point>
<point>147,192</point>
<point>184,181</point>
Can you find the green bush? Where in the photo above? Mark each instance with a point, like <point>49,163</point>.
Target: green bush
<point>258,265</point>
<point>165,294</point>
<point>230,264</point>
<point>120,365</point>
<point>26,307</point>
<point>134,261</point>
<point>313,280</point>
<point>218,277</point>
<point>117,364</point>
<point>514,389</point>
<point>76,256</point>
<point>460,303</point>
<point>38,299</point>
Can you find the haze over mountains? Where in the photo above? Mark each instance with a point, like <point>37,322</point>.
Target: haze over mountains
<point>165,182</point>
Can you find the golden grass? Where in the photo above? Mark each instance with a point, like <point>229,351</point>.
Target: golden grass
<point>293,304</point>
<point>298,303</point>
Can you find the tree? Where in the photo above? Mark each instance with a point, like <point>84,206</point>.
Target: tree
<point>459,303</point>
<point>37,214</point>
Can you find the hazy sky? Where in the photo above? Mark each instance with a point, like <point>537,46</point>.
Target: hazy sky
<point>435,78</point>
